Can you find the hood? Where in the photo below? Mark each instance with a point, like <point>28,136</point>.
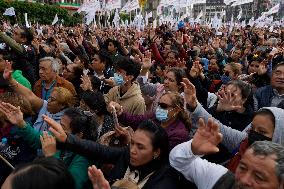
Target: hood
<point>278,135</point>
<point>132,91</point>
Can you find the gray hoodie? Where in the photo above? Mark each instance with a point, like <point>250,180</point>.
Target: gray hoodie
<point>231,137</point>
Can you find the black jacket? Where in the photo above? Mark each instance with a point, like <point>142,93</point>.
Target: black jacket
<point>165,177</point>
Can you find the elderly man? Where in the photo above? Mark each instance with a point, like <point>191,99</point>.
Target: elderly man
<point>49,78</point>
<point>261,166</point>
<point>273,94</point>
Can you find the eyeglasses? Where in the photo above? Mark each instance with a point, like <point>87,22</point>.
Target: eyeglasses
<point>164,105</point>
<point>51,99</point>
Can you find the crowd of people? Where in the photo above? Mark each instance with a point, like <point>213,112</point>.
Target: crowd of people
<point>162,108</point>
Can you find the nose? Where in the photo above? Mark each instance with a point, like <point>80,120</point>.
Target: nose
<point>133,150</point>
<point>246,180</point>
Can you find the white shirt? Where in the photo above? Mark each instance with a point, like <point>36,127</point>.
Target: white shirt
<point>203,173</point>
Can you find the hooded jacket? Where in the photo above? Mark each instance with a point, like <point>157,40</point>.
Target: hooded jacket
<point>132,101</point>
<point>232,137</point>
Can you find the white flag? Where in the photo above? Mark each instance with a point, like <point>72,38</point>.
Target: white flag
<point>26,20</point>
<point>55,20</point>
<point>9,12</point>
<point>251,21</point>
<point>199,15</point>
<point>240,14</point>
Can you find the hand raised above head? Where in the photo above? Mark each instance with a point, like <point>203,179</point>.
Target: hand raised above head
<point>13,114</point>
<point>206,138</point>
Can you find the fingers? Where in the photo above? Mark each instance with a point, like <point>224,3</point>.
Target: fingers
<point>187,83</point>
<point>201,123</point>
<point>55,129</point>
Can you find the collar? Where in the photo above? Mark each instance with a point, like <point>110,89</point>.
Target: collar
<point>277,94</point>
<point>146,169</point>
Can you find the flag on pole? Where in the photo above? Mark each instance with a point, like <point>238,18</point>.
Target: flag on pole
<point>26,20</point>
<point>55,20</point>
<point>240,14</point>
<point>199,15</point>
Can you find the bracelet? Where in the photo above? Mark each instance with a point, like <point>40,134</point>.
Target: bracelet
<point>14,85</point>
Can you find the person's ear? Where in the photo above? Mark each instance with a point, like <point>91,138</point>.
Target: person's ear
<point>156,153</point>
<point>130,77</point>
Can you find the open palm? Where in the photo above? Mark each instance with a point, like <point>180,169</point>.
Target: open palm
<point>13,114</point>
<point>206,138</point>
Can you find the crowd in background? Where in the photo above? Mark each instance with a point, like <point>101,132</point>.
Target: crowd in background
<point>84,107</point>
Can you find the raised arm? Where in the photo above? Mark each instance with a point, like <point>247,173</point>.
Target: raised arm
<point>231,137</point>
<point>186,157</point>
<point>90,149</point>
<point>35,101</point>
<point>12,43</point>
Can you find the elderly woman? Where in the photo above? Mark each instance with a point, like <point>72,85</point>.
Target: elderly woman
<point>59,99</point>
<point>170,114</point>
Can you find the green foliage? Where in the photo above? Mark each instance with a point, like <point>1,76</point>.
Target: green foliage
<point>41,13</point>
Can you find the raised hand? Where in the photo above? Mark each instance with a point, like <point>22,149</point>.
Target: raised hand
<point>146,61</point>
<point>262,69</point>
<point>48,144</point>
<point>179,38</point>
<point>86,83</point>
<point>97,178</point>
<point>7,74</point>
<point>227,101</point>
<point>206,138</point>
<point>56,129</point>
<point>13,114</point>
<point>118,108</point>
<point>189,93</point>
<point>80,40</point>
<point>123,133</point>
<point>195,70</point>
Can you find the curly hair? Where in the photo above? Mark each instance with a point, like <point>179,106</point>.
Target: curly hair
<point>65,97</point>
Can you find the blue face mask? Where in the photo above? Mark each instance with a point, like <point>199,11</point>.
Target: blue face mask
<point>118,79</point>
<point>225,79</point>
<point>161,114</point>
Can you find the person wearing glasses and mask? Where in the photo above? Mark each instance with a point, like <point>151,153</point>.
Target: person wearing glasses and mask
<point>170,114</point>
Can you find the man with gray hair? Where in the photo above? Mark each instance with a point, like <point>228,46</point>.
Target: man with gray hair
<point>261,166</point>
<point>49,78</point>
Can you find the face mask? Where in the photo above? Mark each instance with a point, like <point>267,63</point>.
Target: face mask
<point>118,79</point>
<point>255,136</point>
<point>161,114</point>
<point>225,78</point>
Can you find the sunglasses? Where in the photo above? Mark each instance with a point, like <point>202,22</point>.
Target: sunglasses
<point>164,105</point>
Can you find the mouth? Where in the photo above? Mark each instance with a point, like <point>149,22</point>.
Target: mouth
<point>279,81</point>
